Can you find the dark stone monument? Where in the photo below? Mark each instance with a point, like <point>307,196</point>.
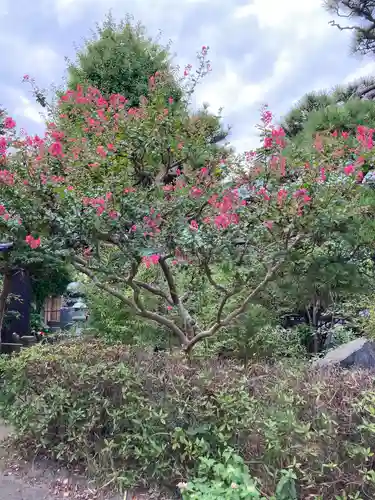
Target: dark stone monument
<point>17,316</point>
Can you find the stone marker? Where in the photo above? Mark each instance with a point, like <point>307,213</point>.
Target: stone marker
<point>359,353</point>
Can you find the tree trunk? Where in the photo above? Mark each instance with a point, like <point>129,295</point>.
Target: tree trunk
<point>7,283</point>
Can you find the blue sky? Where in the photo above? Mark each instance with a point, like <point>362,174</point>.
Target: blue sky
<point>262,51</point>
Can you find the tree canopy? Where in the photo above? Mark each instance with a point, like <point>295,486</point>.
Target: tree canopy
<point>358,16</point>
<point>119,59</point>
<point>331,102</point>
<point>66,196</point>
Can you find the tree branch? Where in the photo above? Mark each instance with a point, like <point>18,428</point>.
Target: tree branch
<point>103,286</point>
<point>208,272</point>
<point>234,314</point>
<point>188,322</point>
<point>154,291</point>
<point>144,313</point>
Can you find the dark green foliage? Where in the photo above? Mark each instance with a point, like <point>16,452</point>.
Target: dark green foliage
<point>341,108</point>
<point>343,118</point>
<point>120,59</point>
<point>137,417</point>
<point>294,121</point>
<point>111,321</point>
<point>49,281</point>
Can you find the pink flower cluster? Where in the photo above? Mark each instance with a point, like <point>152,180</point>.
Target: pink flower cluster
<point>32,242</point>
<point>148,261</point>
<point>6,177</point>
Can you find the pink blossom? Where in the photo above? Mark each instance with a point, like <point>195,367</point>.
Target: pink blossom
<point>56,149</point>
<point>87,252</point>
<point>299,193</point>
<point>149,260</point>
<point>222,221</point>
<point>112,214</point>
<point>268,224</point>
<point>9,122</point>
<point>194,225</point>
<point>195,192</point>
<point>349,169</point>
<point>101,151</point>
<point>6,177</point>
<point>32,242</point>
<point>281,196</point>
<point>266,117</point>
<point>268,142</point>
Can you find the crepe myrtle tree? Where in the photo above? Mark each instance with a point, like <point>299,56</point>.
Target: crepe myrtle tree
<point>71,196</point>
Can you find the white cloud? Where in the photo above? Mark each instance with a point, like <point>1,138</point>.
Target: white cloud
<point>234,93</point>
<point>26,57</point>
<point>149,12</point>
<point>294,16</point>
<point>366,69</point>
<point>29,110</point>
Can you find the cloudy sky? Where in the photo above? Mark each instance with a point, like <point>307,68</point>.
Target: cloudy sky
<point>262,51</point>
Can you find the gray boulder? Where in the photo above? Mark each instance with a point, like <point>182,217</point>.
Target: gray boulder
<point>359,353</point>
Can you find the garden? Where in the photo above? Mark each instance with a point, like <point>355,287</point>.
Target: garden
<point>214,281</point>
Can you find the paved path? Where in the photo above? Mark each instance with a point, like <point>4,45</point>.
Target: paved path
<point>12,488</point>
<point>23,481</point>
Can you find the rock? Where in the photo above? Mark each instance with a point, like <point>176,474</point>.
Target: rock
<point>359,353</point>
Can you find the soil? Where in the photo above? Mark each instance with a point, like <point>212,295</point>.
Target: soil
<point>43,480</point>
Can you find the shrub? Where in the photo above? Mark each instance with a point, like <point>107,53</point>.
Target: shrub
<point>110,321</point>
<point>230,480</point>
<point>135,417</point>
<point>268,343</point>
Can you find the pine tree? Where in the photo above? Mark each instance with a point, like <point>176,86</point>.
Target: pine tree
<point>359,17</point>
<point>327,110</point>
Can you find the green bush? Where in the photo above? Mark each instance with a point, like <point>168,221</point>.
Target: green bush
<point>136,417</point>
<point>230,480</point>
<point>268,343</point>
<point>114,323</point>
